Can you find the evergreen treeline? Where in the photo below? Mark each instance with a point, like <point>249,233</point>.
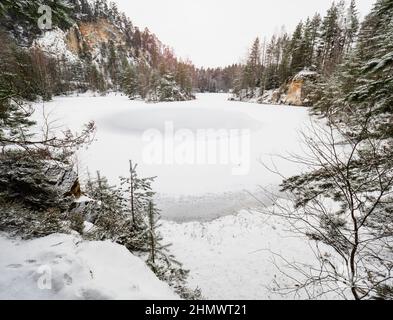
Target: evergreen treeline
<point>216,79</point>
<point>317,44</point>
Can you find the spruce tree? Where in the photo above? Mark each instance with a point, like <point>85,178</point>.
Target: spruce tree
<point>15,86</point>
<point>307,46</point>
<point>315,36</point>
<point>331,41</point>
<point>253,69</point>
<point>167,88</point>
<point>160,258</point>
<point>284,67</point>
<point>25,14</point>
<point>352,26</point>
<point>138,193</point>
<point>130,82</point>
<point>108,211</point>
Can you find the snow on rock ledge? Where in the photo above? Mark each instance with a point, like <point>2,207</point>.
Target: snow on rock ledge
<point>54,43</point>
<point>78,269</point>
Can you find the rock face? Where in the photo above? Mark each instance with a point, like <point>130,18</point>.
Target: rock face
<point>37,184</point>
<point>296,92</point>
<point>64,179</point>
<point>90,37</point>
<point>66,182</point>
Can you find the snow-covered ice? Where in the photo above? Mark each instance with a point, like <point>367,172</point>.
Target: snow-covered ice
<point>64,267</point>
<point>191,190</point>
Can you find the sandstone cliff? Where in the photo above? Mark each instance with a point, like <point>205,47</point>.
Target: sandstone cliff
<point>295,92</point>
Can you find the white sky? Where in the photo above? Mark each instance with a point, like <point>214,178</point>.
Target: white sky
<point>214,33</point>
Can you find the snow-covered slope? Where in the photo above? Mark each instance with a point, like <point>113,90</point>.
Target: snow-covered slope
<point>66,267</point>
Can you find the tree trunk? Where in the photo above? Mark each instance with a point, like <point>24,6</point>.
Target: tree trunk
<point>132,193</point>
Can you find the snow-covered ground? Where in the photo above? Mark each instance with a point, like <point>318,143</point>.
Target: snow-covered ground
<point>65,267</point>
<point>196,190</point>
<point>232,257</point>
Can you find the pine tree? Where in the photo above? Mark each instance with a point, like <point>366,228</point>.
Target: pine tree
<point>15,85</point>
<point>284,67</point>
<point>182,77</point>
<point>160,258</point>
<point>270,73</point>
<point>113,63</point>
<point>331,41</point>
<point>137,42</point>
<point>25,14</point>
<point>138,193</point>
<point>95,78</point>
<point>154,84</point>
<point>130,82</point>
<point>315,36</point>
<point>297,49</point>
<point>108,212</point>
<point>364,79</point>
<point>144,77</point>
<point>167,88</point>
<point>154,238</point>
<point>252,72</point>
<point>352,26</point>
<point>307,46</point>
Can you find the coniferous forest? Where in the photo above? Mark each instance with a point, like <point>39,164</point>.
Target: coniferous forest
<point>333,72</point>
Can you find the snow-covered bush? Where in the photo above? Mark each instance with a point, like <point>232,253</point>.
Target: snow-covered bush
<point>20,221</point>
<point>120,213</point>
<point>173,274</point>
<point>127,216</point>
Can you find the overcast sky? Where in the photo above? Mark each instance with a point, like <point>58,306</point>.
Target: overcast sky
<point>218,32</point>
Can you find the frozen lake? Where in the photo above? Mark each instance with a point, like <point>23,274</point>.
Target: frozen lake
<point>166,140</point>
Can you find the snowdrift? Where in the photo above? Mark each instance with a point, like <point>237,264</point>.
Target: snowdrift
<point>66,267</point>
